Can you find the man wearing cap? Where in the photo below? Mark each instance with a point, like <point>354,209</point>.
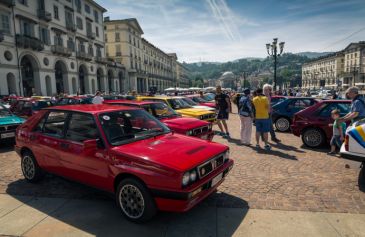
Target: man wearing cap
<point>246,114</point>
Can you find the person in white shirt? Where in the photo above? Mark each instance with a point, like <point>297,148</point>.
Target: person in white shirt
<point>97,98</point>
<point>299,93</point>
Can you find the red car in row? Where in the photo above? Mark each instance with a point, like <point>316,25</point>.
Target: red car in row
<point>125,151</point>
<point>201,101</point>
<point>186,126</point>
<point>312,123</point>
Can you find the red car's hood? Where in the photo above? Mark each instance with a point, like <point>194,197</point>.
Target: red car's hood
<point>209,104</point>
<point>185,123</point>
<point>172,150</point>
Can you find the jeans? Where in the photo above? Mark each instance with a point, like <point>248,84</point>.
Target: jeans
<point>272,131</point>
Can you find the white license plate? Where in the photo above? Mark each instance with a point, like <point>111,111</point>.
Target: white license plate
<point>205,137</point>
<point>7,135</point>
<point>216,179</point>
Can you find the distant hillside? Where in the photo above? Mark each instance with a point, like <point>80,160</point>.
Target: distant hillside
<point>289,67</point>
<point>313,54</point>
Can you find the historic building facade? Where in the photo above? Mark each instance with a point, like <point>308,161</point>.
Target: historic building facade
<point>183,76</point>
<point>354,67</point>
<point>54,46</point>
<point>339,70</point>
<point>324,72</point>
<point>146,65</point>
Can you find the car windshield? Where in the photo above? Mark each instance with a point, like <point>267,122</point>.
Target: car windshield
<point>37,105</point>
<point>178,104</point>
<point>4,111</point>
<point>198,99</point>
<point>127,126</point>
<point>209,97</point>
<point>190,101</point>
<point>160,110</point>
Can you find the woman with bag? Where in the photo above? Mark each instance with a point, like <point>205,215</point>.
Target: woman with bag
<point>246,114</point>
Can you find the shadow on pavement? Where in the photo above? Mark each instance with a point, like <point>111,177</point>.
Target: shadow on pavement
<point>100,216</point>
<point>361,179</point>
<point>276,153</point>
<point>7,146</point>
<point>282,146</point>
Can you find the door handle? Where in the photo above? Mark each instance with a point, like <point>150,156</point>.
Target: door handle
<point>64,145</point>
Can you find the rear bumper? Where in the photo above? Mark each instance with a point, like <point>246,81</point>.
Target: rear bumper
<point>351,156</point>
<point>176,201</point>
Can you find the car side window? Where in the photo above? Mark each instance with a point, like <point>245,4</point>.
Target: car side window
<point>55,124</point>
<point>81,127</point>
<point>344,108</point>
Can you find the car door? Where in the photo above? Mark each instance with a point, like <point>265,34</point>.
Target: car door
<point>91,167</point>
<point>47,139</point>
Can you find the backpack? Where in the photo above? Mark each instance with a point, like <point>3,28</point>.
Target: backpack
<point>244,109</point>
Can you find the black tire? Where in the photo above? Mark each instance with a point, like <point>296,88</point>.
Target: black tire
<point>30,168</point>
<point>141,206</point>
<point>313,137</point>
<point>362,173</point>
<point>282,124</point>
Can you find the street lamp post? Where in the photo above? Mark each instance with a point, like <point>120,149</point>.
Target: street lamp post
<point>272,50</point>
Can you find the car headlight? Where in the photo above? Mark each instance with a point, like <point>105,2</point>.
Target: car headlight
<point>193,176</point>
<point>226,155</point>
<point>186,179</point>
<point>189,133</point>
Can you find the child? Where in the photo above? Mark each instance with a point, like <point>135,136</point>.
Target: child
<point>338,131</point>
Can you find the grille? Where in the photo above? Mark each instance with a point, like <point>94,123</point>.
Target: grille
<point>210,166</point>
<point>208,116</point>
<point>201,130</point>
<point>8,128</point>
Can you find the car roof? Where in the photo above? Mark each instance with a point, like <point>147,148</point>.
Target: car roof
<point>144,102</point>
<point>155,97</point>
<point>91,108</point>
<point>334,101</point>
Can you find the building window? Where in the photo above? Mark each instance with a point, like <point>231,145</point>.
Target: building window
<point>91,50</point>
<point>27,28</point>
<point>24,2</point>
<point>58,40</point>
<point>96,16</point>
<point>70,44</point>
<point>87,8</point>
<point>78,5</point>
<point>79,23</point>
<point>69,19</point>
<point>97,31</point>
<point>118,51</point>
<point>106,38</point>
<point>88,27</point>
<point>5,22</point>
<point>82,47</point>
<point>98,52</point>
<point>55,12</point>
<point>117,37</point>
<point>44,35</point>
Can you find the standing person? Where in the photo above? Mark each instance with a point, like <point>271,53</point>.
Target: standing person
<point>223,105</point>
<point>246,113</point>
<point>357,111</point>
<point>298,94</point>
<point>97,98</point>
<point>267,92</point>
<point>339,129</point>
<point>236,100</point>
<point>262,119</point>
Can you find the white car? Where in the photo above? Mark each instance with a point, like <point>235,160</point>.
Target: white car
<point>353,147</point>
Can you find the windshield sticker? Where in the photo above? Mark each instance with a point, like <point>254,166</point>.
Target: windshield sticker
<point>105,117</point>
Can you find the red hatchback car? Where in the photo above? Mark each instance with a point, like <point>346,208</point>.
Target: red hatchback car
<point>125,151</point>
<point>186,126</point>
<point>201,101</point>
<point>312,123</point>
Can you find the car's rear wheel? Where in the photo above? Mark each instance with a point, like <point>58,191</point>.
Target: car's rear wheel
<point>282,124</point>
<point>313,137</point>
<point>30,168</point>
<point>135,200</point>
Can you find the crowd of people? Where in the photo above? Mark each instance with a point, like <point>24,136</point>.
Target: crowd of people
<point>254,108</point>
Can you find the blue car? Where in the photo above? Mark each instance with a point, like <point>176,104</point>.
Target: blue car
<point>283,112</point>
<point>8,123</point>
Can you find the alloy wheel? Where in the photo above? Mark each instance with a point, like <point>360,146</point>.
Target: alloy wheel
<point>131,201</point>
<point>28,167</point>
<point>313,138</point>
<point>282,124</point>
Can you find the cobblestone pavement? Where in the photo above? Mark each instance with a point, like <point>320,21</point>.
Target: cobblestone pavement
<point>290,177</point>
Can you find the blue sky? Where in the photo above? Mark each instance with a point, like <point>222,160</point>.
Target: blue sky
<point>224,30</point>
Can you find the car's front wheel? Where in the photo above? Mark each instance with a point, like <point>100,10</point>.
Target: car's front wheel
<point>313,137</point>
<point>135,200</point>
<point>282,124</point>
<point>30,168</point>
